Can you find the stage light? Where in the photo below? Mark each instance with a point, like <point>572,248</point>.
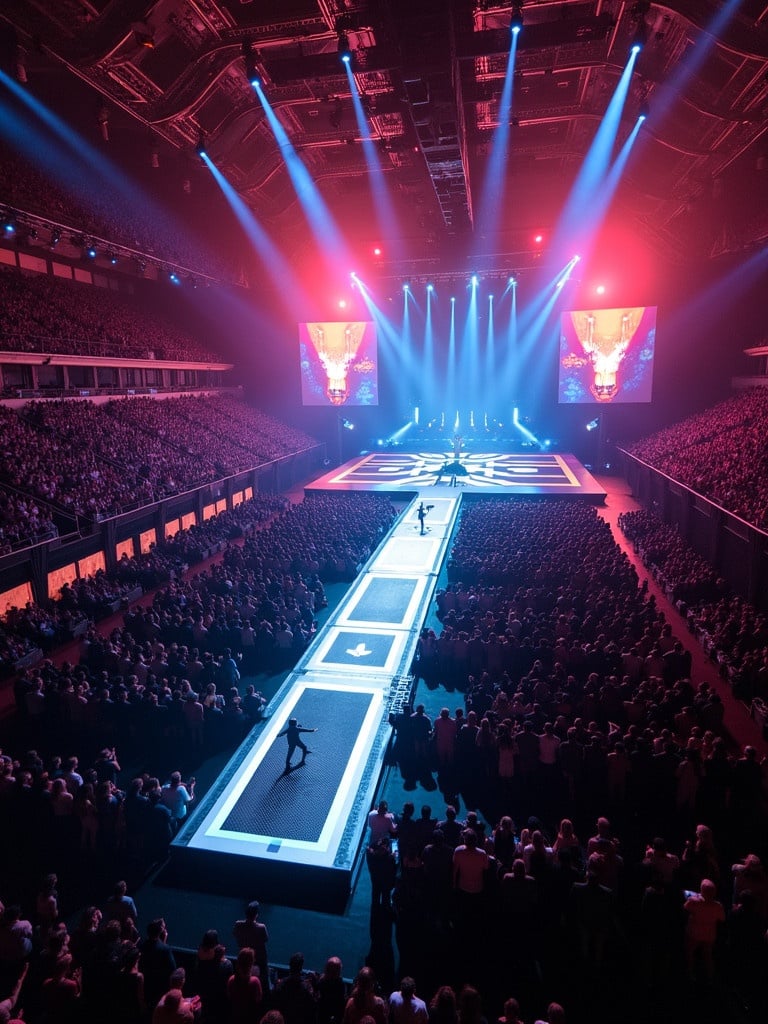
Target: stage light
<point>600,289</point>
<point>453,298</point>
<point>200,148</point>
<point>516,20</point>
<point>430,287</point>
<point>112,257</point>
<point>643,112</point>
<point>377,251</point>
<point>474,280</point>
<point>342,303</point>
<point>251,72</point>
<point>9,228</point>
<point>538,239</point>
<point>90,251</point>
<point>640,38</point>
<point>512,281</point>
<point>576,258</point>
<point>173,277</point>
<point>406,287</point>
<point>55,238</point>
<point>345,53</point>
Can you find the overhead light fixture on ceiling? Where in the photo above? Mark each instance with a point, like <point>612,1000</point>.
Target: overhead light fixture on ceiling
<point>21,64</point>
<point>516,19</point>
<point>143,34</point>
<point>640,38</point>
<point>345,52</point>
<point>251,71</point>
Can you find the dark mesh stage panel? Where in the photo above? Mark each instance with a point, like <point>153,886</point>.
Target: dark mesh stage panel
<point>384,601</point>
<point>296,806</point>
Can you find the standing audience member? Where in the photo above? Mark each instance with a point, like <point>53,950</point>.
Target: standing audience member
<point>705,913</point>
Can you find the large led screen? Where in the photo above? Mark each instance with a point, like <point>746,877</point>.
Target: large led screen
<point>339,363</point>
<point>606,355</point>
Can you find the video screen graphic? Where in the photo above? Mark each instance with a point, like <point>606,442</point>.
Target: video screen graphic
<point>339,363</point>
<point>606,355</point>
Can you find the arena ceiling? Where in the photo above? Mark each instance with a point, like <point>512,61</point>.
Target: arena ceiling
<point>431,73</point>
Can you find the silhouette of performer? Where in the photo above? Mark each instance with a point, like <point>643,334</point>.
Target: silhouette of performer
<point>421,515</point>
<point>293,732</point>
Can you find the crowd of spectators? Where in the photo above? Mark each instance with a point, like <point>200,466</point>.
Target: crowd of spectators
<point>259,604</point>
<point>103,212</point>
<point>599,835</point>
<point>106,967</point>
<point>92,598</point>
<point>577,706</point>
<point>719,453</point>
<point>23,521</point>
<point>98,460</point>
<point>49,315</point>
<point>732,631</point>
<point>547,627</point>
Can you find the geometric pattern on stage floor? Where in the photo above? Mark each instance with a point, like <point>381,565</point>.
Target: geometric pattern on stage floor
<point>418,469</point>
<point>508,473</point>
<point>365,649</point>
<point>296,806</point>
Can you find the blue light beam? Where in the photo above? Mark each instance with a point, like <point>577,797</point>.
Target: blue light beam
<point>326,231</point>
<point>382,201</point>
<point>488,219</point>
<point>276,266</point>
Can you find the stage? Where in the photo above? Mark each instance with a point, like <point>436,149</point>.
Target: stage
<point>526,474</point>
<point>297,834</point>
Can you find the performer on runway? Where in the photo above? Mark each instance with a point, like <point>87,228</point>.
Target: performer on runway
<point>293,731</point>
<point>421,515</point>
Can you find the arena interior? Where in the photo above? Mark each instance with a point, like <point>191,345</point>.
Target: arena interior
<point>383,511</point>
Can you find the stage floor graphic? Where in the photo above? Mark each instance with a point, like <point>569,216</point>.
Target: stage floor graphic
<point>510,473</point>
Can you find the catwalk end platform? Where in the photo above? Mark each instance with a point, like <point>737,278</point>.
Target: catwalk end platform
<point>512,474</point>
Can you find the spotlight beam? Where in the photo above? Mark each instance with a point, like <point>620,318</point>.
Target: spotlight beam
<point>593,169</point>
<point>324,227</point>
<point>395,354</point>
<point>277,267</point>
<point>666,97</point>
<point>385,210</point>
<point>487,220</point>
<point>71,160</point>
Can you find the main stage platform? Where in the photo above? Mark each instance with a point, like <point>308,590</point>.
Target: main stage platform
<point>526,474</point>
<point>297,834</point>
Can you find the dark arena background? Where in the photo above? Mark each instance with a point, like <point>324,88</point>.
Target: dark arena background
<point>394,373</point>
